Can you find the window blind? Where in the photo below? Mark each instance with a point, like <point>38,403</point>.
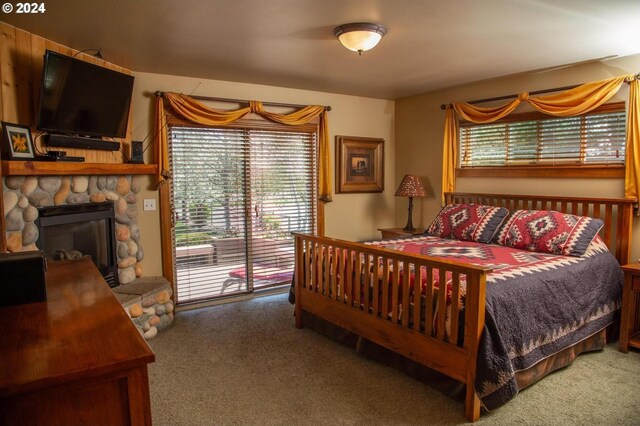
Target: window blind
<point>238,194</point>
<point>596,138</point>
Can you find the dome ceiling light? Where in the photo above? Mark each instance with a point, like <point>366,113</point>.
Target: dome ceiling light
<point>359,36</point>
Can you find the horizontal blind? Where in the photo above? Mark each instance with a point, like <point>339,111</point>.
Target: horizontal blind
<point>208,188</point>
<point>605,138</point>
<point>282,175</point>
<point>597,138</point>
<point>237,196</point>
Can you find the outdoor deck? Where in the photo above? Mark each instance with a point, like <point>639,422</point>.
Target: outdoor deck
<point>215,280</point>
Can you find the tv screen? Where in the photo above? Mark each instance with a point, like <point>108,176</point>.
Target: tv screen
<point>83,99</point>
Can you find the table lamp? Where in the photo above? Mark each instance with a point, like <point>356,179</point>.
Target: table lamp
<point>410,187</point>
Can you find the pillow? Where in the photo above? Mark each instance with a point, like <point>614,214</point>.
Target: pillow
<point>546,231</point>
<point>469,222</point>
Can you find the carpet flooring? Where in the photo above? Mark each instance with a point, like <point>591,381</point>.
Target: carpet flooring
<point>245,363</point>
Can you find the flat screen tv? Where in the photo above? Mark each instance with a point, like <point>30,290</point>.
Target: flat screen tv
<point>84,99</point>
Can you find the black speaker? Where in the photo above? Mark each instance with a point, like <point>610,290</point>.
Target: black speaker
<point>67,141</point>
<point>136,152</point>
<point>23,279</point>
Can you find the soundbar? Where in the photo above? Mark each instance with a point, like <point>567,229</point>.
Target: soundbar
<point>81,142</point>
<point>67,158</point>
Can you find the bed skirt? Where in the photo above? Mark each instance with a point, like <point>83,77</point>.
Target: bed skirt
<point>441,382</point>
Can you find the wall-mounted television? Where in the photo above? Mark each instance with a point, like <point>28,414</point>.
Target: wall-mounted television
<point>80,98</point>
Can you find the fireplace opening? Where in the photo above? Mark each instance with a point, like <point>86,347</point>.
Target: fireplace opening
<point>73,231</point>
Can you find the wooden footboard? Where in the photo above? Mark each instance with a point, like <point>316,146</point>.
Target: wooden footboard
<point>367,290</point>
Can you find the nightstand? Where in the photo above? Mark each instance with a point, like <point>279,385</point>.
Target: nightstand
<point>388,233</point>
<point>630,321</point>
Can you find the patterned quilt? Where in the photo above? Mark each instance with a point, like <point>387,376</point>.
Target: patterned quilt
<point>537,304</point>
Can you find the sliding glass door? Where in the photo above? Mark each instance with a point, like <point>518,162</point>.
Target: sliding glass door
<point>237,194</point>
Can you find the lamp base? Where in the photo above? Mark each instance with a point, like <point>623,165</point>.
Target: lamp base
<point>409,227</point>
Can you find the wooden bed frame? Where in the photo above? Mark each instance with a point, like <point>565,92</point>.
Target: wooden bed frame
<point>316,291</point>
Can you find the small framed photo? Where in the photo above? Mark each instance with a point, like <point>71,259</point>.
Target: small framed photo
<point>18,143</point>
<point>359,164</point>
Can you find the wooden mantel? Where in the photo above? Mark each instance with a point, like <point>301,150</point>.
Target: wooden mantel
<point>40,168</point>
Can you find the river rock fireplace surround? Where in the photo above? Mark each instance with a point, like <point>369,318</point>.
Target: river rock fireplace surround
<point>29,201</point>
<point>25,195</point>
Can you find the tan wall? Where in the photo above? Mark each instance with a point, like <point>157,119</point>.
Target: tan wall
<point>353,216</point>
<point>419,133</point>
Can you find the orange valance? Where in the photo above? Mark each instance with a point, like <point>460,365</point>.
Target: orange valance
<point>196,112</point>
<point>576,101</point>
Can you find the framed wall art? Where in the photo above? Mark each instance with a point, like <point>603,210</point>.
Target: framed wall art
<point>18,143</point>
<point>359,164</point>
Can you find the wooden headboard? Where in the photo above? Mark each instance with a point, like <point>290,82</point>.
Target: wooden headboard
<point>616,213</point>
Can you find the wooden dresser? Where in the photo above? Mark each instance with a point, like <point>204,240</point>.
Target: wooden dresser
<point>75,359</point>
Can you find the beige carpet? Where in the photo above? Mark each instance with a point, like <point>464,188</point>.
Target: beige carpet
<point>245,363</point>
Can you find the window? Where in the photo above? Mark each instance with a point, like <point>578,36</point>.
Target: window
<point>540,141</point>
<point>237,194</point>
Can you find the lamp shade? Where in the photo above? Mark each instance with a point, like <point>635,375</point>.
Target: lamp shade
<point>359,36</point>
<point>411,186</point>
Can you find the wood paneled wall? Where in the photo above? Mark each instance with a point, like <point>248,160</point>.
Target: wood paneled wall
<point>21,64</point>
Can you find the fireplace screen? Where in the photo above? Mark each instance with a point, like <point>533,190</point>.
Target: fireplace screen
<point>74,231</point>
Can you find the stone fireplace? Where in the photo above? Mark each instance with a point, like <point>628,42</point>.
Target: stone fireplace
<point>26,197</point>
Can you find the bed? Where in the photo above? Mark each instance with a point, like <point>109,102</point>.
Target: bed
<point>471,298</point>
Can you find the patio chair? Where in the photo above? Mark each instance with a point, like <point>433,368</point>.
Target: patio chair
<point>260,273</point>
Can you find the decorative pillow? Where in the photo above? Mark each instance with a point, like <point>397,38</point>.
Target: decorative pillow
<point>549,232</point>
<point>597,245</point>
<point>469,222</point>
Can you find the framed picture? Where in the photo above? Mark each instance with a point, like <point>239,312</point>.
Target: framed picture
<point>359,164</point>
<point>18,143</point>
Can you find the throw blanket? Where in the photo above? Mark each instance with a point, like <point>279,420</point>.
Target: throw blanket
<point>536,304</point>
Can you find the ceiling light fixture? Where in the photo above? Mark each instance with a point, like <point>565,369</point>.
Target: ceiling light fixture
<point>359,36</point>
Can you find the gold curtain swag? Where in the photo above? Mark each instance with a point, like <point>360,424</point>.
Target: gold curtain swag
<point>482,115</point>
<point>196,112</point>
<point>572,102</point>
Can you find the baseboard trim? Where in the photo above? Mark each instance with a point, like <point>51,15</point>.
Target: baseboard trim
<point>234,298</point>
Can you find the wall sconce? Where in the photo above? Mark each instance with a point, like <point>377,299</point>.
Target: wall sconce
<point>359,36</point>
<point>411,186</point>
